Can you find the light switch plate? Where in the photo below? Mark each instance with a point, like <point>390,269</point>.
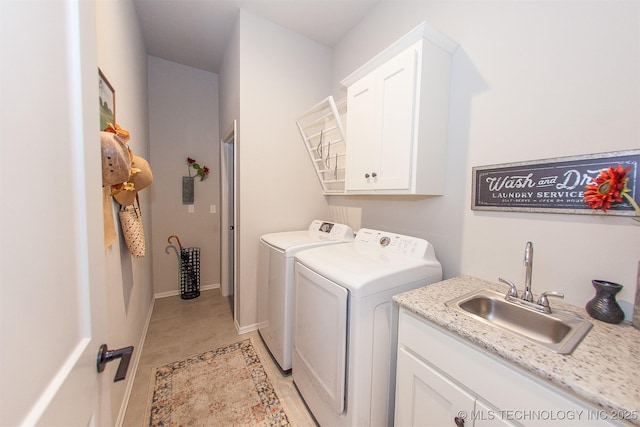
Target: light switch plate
<point>191,208</point>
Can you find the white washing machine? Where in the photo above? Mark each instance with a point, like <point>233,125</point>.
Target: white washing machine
<point>275,282</point>
<point>344,325</point>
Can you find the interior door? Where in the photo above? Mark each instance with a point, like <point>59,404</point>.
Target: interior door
<point>52,312</point>
<point>228,211</point>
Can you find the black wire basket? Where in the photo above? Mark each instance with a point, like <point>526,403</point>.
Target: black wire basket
<point>189,274</point>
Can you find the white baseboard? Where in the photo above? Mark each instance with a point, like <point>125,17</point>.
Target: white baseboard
<point>177,292</point>
<point>133,368</point>
<point>244,329</point>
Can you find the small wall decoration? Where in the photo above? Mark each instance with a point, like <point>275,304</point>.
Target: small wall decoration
<point>201,171</point>
<point>187,181</point>
<point>187,190</point>
<point>107,99</point>
<point>608,180</point>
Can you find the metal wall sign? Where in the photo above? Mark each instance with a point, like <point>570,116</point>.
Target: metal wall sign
<point>552,185</point>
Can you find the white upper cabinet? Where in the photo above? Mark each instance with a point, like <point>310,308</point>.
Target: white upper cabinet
<point>398,105</point>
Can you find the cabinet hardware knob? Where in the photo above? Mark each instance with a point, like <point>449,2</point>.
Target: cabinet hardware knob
<point>374,174</point>
<point>366,175</point>
<point>459,421</point>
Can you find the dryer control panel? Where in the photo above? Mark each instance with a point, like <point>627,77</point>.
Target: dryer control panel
<point>391,242</point>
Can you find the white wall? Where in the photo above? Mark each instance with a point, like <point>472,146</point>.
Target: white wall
<point>122,58</point>
<point>531,80</point>
<point>281,75</point>
<point>183,122</point>
<point>229,80</point>
<point>229,105</point>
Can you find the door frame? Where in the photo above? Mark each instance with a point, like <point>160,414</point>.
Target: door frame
<point>229,213</point>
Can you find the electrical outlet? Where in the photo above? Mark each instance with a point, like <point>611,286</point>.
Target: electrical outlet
<point>191,208</point>
<point>212,208</point>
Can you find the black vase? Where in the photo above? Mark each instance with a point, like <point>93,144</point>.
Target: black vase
<point>604,305</point>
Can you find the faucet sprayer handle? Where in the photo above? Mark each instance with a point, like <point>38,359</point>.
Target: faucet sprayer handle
<point>513,290</point>
<point>544,301</point>
<point>528,254</point>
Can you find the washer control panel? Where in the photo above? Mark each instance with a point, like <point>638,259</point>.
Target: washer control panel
<point>392,242</point>
<point>332,230</point>
<point>385,240</point>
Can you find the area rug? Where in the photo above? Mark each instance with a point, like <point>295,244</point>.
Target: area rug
<point>223,387</point>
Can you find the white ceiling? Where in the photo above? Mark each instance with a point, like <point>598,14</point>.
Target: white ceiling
<point>196,32</point>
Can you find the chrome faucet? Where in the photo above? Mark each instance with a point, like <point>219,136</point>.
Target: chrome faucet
<point>543,301</point>
<point>526,299</point>
<point>513,290</point>
<point>528,263</point>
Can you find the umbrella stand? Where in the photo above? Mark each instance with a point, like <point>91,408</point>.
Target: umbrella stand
<point>189,275</point>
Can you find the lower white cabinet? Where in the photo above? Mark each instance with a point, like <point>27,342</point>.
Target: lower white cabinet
<point>443,381</point>
<point>425,397</point>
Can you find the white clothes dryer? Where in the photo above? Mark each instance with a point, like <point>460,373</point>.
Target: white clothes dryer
<point>275,282</point>
<point>345,328</point>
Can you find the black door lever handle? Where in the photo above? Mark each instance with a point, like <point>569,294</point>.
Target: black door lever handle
<point>105,356</point>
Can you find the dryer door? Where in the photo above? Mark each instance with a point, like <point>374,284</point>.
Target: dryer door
<point>320,339</point>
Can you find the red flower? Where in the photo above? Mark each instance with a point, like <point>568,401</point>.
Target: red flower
<point>202,172</point>
<point>607,188</point>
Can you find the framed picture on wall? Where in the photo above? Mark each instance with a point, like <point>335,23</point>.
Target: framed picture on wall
<point>107,98</point>
<point>602,183</point>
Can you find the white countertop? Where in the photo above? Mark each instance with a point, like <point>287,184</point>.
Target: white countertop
<point>604,369</point>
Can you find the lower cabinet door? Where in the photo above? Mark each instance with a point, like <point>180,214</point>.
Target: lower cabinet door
<point>424,397</point>
<point>487,416</point>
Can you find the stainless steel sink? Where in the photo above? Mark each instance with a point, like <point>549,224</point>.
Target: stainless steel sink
<point>559,331</point>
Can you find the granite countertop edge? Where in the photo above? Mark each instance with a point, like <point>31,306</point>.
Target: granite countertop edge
<point>603,375</point>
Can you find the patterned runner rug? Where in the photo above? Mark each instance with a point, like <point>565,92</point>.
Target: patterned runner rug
<point>223,387</point>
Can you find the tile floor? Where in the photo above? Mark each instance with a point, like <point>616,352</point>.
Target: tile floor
<point>182,328</point>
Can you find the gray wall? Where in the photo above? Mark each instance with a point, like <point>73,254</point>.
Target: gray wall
<point>183,122</point>
<point>122,58</point>
<point>531,80</point>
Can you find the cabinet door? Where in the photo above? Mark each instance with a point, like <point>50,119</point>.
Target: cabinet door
<point>363,135</point>
<point>424,397</point>
<point>381,126</point>
<point>397,103</point>
<point>487,416</point>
